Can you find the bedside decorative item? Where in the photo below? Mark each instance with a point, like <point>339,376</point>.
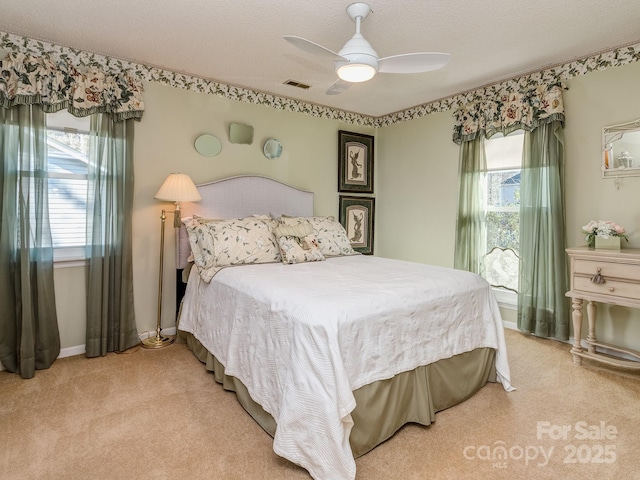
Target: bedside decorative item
<point>178,187</point>
<point>611,243</point>
<point>604,234</point>
<point>272,149</point>
<point>208,145</point>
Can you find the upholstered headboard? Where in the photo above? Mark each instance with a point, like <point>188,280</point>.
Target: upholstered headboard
<point>241,196</point>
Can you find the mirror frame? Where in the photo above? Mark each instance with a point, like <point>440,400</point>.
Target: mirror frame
<point>272,149</point>
<point>610,135</point>
<point>240,133</point>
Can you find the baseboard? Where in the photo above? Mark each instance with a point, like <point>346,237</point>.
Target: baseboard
<point>80,349</point>
<point>165,331</point>
<point>71,351</point>
<point>613,353</point>
<point>510,325</point>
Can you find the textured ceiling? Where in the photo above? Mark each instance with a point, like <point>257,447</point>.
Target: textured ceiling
<point>240,42</point>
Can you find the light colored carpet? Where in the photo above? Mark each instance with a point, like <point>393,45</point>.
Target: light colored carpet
<point>158,414</point>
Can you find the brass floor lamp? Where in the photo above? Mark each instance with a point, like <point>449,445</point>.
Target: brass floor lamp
<point>178,187</point>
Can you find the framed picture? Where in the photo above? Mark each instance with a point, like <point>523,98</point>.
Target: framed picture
<point>356,216</point>
<point>355,162</point>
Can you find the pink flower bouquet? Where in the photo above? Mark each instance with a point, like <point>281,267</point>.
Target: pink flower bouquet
<point>604,229</point>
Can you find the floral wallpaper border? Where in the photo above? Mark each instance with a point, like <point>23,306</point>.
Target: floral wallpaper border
<point>619,56</point>
<point>623,55</point>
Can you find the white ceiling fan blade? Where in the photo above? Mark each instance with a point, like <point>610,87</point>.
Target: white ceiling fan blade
<point>312,47</point>
<point>412,62</point>
<point>338,87</point>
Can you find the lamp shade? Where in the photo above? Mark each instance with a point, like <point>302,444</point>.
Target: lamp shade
<point>178,187</point>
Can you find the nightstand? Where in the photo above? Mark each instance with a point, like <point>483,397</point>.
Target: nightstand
<point>606,276</point>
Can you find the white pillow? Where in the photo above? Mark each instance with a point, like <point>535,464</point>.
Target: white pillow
<point>331,235</point>
<point>298,244</point>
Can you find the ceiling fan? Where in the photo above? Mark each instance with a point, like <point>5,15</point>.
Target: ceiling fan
<point>357,61</point>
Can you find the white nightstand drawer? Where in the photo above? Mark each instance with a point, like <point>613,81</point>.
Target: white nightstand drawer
<point>607,269</point>
<point>610,287</point>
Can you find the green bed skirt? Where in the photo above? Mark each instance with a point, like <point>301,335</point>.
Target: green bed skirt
<point>383,407</point>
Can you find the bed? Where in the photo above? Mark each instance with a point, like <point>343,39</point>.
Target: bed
<point>330,357</point>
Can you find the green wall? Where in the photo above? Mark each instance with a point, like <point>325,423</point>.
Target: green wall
<point>164,141</point>
<point>418,168</point>
<point>416,182</point>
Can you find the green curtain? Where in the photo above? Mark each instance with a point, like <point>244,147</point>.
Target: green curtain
<point>110,315</point>
<point>470,231</point>
<point>542,306</point>
<point>29,337</point>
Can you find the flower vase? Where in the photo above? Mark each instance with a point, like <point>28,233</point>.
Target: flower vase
<point>611,243</point>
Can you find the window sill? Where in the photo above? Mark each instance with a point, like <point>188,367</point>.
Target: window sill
<point>70,263</point>
<point>506,298</point>
<point>68,257</point>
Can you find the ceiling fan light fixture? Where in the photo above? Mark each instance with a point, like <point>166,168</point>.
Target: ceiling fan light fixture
<point>356,72</point>
<point>358,62</point>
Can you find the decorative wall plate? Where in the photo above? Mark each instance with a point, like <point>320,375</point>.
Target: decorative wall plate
<point>208,145</point>
<point>272,149</point>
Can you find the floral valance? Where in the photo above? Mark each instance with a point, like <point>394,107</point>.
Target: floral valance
<point>57,85</point>
<point>509,111</point>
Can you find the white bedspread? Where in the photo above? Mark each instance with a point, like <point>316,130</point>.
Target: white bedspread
<point>303,337</point>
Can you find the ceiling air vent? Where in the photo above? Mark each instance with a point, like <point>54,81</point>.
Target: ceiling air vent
<point>293,83</point>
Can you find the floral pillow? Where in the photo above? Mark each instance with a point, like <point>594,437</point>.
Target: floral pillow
<point>221,243</point>
<point>269,219</point>
<point>197,236</point>
<point>331,235</point>
<point>298,243</point>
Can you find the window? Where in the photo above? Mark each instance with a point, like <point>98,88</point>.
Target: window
<point>501,261</point>
<point>68,150</point>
